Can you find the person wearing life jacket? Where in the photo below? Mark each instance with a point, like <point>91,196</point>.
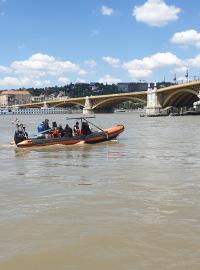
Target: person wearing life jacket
<point>55,133</point>
<point>77,130</point>
<point>43,126</point>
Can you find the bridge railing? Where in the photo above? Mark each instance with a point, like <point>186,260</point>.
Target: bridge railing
<point>56,98</point>
<point>191,79</point>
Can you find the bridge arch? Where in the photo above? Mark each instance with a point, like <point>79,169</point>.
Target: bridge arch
<point>181,98</point>
<point>69,104</point>
<point>113,101</point>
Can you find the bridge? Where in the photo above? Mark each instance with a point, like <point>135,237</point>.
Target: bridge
<point>179,95</point>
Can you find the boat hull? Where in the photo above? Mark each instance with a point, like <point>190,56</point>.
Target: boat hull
<point>95,137</point>
<point>106,135</point>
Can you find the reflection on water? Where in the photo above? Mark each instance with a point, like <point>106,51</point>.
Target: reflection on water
<point>126,204</point>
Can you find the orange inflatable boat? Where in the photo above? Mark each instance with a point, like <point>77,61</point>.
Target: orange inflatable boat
<point>92,138</point>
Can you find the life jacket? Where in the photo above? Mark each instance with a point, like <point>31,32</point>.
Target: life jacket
<point>55,133</point>
<point>41,127</point>
<point>77,131</point>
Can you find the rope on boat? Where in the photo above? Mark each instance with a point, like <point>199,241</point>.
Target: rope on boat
<point>106,133</point>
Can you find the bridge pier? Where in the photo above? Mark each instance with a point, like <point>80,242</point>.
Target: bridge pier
<point>45,105</point>
<point>87,109</point>
<point>153,104</point>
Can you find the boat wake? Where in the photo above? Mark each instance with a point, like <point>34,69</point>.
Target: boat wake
<point>80,143</point>
<point>5,146</point>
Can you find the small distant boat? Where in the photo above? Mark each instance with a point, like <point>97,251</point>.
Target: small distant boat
<point>21,139</point>
<point>42,110</point>
<point>192,112</point>
<point>119,110</point>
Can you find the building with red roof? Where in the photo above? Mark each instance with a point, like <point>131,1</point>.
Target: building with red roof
<point>14,97</point>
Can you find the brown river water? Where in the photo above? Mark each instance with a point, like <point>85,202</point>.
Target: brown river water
<point>131,204</point>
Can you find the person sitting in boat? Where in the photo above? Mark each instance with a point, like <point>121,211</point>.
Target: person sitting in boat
<point>67,131</point>
<point>61,130</point>
<point>55,133</point>
<point>76,129</point>
<point>85,129</point>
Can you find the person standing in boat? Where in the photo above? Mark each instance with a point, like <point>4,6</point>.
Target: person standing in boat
<point>54,125</point>
<point>25,132</point>
<point>46,124</point>
<point>20,133</point>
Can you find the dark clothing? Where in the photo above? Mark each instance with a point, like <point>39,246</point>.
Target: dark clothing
<point>67,131</point>
<point>20,134</point>
<point>19,137</point>
<point>86,129</point>
<point>54,125</point>
<point>46,124</point>
<point>25,134</point>
<point>61,130</point>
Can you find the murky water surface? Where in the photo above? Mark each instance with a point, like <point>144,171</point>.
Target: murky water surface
<point>127,204</point>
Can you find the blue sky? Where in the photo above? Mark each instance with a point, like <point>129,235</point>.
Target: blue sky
<point>47,42</point>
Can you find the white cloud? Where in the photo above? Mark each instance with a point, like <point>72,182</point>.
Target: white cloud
<point>140,73</point>
<point>182,79</point>
<point>80,80</point>
<point>188,37</point>
<point>107,11</point>
<point>27,73</point>
<point>4,69</point>
<point>10,82</point>
<point>107,79</point>
<point>91,63</point>
<point>43,64</point>
<point>143,68</point>
<point>82,72</point>
<point>181,69</point>
<point>114,62</point>
<point>194,62</point>
<point>154,61</point>
<point>63,80</point>
<point>156,13</point>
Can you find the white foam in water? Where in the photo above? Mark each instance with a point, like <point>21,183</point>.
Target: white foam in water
<point>11,145</point>
<point>80,143</point>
